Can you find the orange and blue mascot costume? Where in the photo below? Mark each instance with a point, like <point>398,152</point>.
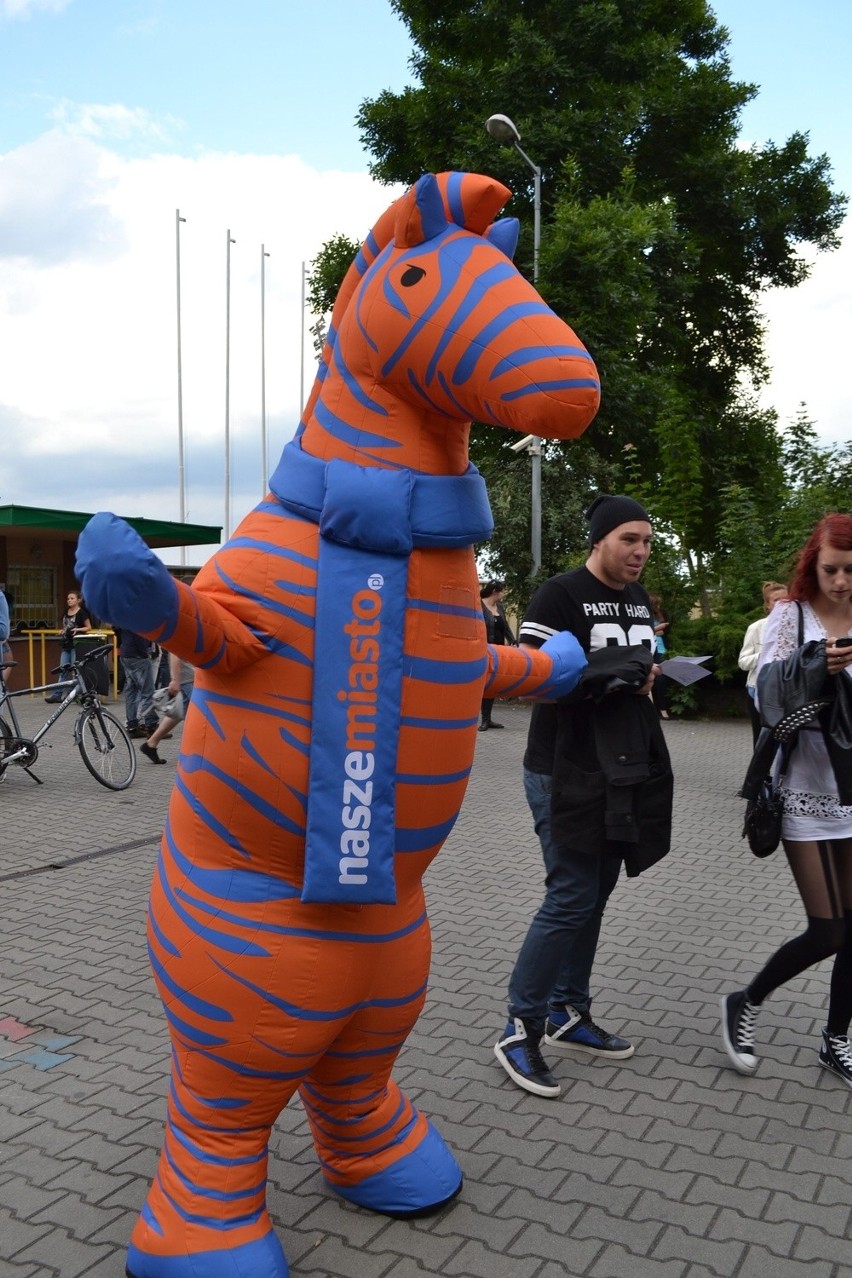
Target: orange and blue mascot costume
<point>341,659</point>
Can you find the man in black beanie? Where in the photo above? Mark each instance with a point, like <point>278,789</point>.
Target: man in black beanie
<point>590,817</point>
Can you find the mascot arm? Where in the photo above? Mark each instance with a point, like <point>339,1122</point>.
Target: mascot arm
<point>545,673</point>
<point>126,583</point>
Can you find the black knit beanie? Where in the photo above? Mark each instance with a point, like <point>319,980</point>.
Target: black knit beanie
<point>606,513</point>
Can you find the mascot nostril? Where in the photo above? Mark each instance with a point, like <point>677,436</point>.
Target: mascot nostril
<point>341,660</point>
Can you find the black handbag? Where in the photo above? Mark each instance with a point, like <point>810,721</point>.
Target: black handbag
<point>762,824</point>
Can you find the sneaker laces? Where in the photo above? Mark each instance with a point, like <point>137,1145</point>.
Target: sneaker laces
<point>745,1025</point>
<point>537,1062</point>
<point>587,1023</point>
<point>842,1049</point>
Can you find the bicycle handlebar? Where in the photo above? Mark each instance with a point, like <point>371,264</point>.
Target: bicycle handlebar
<point>101,649</point>
<point>79,662</point>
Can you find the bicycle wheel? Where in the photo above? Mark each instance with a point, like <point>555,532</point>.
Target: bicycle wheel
<point>106,748</point>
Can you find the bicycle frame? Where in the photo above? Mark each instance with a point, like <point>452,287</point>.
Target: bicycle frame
<point>7,699</point>
<point>77,688</point>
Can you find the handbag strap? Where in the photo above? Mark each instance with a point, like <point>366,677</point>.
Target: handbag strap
<point>801,624</point>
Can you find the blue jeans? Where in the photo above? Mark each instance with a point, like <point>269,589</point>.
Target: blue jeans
<point>554,966</point>
<point>66,658</point>
<point>139,691</point>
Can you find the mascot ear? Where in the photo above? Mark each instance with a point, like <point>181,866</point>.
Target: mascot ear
<point>420,213</point>
<point>504,235</point>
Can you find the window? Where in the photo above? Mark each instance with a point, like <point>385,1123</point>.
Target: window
<point>32,594</point>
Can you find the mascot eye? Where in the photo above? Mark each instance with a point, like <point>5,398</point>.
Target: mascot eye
<point>412,275</point>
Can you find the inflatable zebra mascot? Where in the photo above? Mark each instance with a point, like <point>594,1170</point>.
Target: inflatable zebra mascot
<point>341,659</point>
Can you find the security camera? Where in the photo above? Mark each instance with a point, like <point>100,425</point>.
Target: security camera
<point>522,444</point>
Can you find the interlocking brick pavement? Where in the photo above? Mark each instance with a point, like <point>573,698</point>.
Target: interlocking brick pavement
<point>668,1165</point>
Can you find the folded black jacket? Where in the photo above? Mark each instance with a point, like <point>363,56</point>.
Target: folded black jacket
<point>612,778</point>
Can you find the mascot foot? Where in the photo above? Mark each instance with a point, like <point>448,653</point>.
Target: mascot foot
<point>421,1182</point>
<point>260,1259</point>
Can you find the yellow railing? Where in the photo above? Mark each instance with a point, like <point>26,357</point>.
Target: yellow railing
<point>38,653</point>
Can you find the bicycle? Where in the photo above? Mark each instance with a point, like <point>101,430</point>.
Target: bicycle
<point>104,745</point>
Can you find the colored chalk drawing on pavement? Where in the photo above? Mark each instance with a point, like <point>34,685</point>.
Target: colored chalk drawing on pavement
<point>36,1045</point>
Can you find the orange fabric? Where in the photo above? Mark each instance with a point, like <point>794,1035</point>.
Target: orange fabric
<point>264,994</point>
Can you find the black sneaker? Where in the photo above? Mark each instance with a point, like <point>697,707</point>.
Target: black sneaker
<point>738,1018</point>
<point>521,1058</point>
<point>571,1031</point>
<point>836,1055</point>
<point>150,752</point>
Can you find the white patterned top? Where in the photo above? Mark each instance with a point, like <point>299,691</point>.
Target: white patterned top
<point>811,807</point>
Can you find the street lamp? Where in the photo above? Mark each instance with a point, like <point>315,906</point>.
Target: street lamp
<point>502,129</point>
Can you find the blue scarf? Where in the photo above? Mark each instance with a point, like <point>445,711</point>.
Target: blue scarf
<point>370,519</point>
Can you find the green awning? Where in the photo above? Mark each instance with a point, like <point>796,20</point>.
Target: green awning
<point>156,532</point>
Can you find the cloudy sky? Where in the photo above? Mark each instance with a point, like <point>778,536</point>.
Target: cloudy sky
<point>116,113</point>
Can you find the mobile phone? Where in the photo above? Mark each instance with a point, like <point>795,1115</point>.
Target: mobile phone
<point>845,641</point>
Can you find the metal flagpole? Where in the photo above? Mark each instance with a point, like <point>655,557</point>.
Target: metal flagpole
<point>264,450</point>
<point>302,349</point>
<point>181,465</point>
<point>227,528</point>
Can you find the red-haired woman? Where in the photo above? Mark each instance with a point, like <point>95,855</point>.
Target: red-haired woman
<point>816,828</point>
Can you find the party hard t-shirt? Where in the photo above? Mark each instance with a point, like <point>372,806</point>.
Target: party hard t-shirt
<point>599,617</point>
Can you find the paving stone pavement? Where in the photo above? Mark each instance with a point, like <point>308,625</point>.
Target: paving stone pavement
<point>669,1165</point>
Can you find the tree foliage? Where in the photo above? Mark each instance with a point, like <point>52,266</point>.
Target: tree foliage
<point>659,231</point>
<point>761,534</point>
<point>326,275</point>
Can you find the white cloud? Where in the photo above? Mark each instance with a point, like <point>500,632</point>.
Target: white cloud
<point>88,318</point>
<point>54,201</point>
<point>106,121</point>
<point>808,345</point>
<point>25,8</point>
<point>88,398</point>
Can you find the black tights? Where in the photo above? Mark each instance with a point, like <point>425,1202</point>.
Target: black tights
<point>823,874</point>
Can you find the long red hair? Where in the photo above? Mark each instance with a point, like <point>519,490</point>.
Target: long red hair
<point>832,530</point>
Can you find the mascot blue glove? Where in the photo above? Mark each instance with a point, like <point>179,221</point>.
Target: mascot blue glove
<point>569,662</point>
<point>122,579</point>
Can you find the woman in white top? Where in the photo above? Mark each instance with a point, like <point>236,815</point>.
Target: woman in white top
<point>816,829</point>
<point>750,651</point>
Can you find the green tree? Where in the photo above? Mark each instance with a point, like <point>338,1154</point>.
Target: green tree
<point>325,276</point>
<point>761,530</point>
<point>659,232</point>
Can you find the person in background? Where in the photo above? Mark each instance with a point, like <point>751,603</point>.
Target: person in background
<point>182,680</point>
<point>138,668</point>
<point>660,692</point>
<point>750,651</point>
<point>5,650</point>
<point>816,828</point>
<point>498,631</point>
<point>75,621</point>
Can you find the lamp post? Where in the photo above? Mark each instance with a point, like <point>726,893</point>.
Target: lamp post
<point>502,129</point>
